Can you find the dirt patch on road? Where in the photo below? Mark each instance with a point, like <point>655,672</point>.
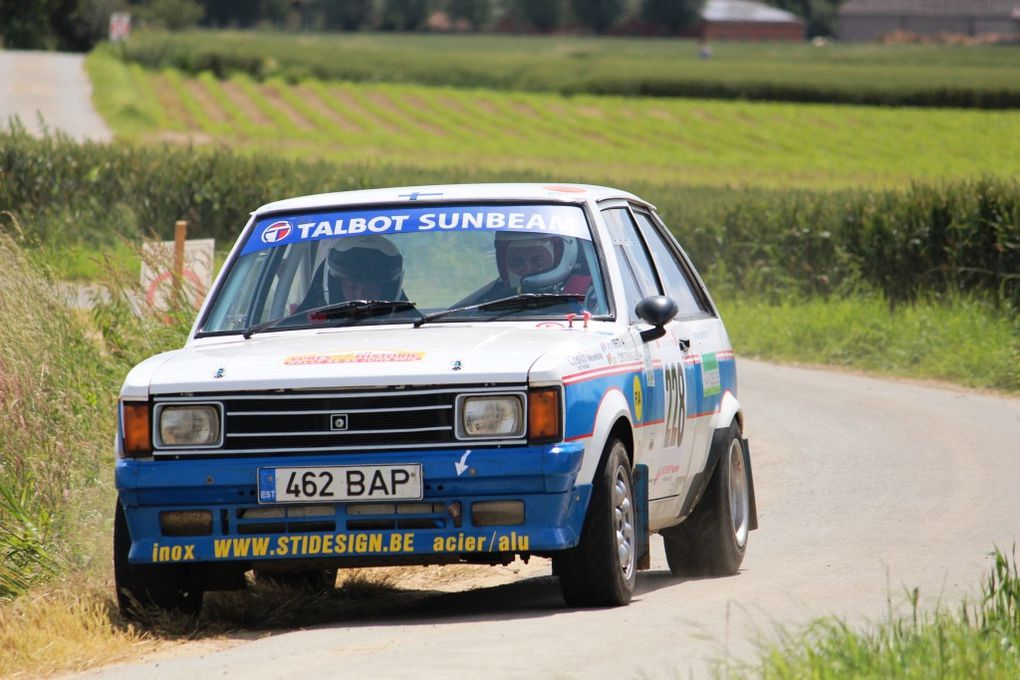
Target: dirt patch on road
<point>458,577</point>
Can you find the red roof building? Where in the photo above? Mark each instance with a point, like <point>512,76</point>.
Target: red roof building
<point>746,20</point>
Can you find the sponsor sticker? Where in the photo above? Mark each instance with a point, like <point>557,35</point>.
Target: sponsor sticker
<point>332,544</point>
<point>649,368</point>
<point>710,374</point>
<point>639,402</point>
<point>555,220</point>
<point>276,232</point>
<point>364,357</point>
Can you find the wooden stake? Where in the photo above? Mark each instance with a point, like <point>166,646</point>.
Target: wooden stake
<point>180,236</point>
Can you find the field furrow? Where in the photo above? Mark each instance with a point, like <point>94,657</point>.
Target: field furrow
<point>591,138</point>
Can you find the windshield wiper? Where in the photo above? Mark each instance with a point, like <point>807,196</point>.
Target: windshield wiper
<point>350,308</point>
<point>512,303</point>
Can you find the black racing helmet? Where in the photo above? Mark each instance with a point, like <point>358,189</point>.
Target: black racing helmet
<point>368,259</point>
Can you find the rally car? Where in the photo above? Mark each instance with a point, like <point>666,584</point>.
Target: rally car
<point>430,375</point>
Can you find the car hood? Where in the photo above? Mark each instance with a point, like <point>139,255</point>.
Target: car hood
<point>374,356</point>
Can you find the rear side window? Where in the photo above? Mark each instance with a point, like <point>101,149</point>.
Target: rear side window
<point>678,284</point>
<point>639,278</point>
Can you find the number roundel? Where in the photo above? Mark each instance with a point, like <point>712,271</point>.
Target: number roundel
<point>676,404</point>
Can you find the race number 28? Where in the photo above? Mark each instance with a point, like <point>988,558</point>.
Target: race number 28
<point>676,404</point>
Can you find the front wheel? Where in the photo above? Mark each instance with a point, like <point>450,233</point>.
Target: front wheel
<point>713,539</point>
<point>144,586</point>
<point>602,569</point>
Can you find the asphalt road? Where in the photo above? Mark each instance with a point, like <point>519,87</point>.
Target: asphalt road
<point>865,488</point>
<point>49,91</point>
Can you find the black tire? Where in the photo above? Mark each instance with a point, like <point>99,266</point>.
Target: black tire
<point>312,580</point>
<point>602,569</point>
<point>713,539</point>
<point>142,587</point>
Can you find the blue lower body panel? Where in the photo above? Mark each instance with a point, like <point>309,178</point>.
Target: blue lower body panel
<point>439,528</point>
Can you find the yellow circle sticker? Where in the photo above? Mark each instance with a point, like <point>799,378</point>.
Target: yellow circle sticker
<point>639,405</point>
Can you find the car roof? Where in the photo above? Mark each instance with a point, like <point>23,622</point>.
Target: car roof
<point>449,193</point>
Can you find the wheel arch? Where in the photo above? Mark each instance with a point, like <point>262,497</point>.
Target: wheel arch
<point>612,419</point>
<point>729,410</point>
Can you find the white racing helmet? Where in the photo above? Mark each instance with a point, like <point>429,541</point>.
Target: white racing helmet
<point>529,261</point>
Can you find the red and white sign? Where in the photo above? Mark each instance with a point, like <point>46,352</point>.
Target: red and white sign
<point>157,271</point>
<point>120,26</point>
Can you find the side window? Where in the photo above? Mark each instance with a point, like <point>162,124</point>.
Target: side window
<point>638,274</point>
<point>676,281</point>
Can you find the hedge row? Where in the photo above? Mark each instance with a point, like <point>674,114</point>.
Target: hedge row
<point>942,238</point>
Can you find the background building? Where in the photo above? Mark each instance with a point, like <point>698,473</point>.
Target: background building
<point>872,19</point>
<point>745,20</point>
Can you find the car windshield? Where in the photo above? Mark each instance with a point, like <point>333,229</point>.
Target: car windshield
<point>430,258</point>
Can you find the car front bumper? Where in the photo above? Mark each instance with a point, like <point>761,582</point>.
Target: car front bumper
<point>442,527</point>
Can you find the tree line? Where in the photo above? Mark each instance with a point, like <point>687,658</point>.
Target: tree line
<point>78,24</point>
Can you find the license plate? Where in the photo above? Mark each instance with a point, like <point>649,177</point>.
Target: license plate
<point>340,483</point>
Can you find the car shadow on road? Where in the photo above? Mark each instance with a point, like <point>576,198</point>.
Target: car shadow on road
<point>274,611</point>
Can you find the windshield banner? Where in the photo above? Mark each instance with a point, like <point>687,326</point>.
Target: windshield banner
<point>555,220</point>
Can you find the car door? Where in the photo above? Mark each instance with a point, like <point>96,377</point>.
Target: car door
<point>693,381</point>
<point>659,421</point>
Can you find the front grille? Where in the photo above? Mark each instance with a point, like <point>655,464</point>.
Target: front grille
<point>296,422</point>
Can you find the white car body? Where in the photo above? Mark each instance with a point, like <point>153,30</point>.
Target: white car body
<point>666,398</point>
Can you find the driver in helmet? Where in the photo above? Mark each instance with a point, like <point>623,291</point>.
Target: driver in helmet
<point>357,268</point>
<point>530,262</point>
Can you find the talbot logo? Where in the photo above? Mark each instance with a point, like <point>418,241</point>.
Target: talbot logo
<point>338,421</point>
<point>276,232</point>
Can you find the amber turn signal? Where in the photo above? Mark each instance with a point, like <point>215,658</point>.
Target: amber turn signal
<point>544,418</point>
<point>137,430</point>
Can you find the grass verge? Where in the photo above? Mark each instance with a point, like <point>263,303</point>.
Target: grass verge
<point>69,628</point>
<point>56,409</point>
<point>979,640</point>
<point>960,340</point>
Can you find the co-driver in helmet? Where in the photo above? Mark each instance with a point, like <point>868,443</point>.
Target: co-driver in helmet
<point>357,268</point>
<point>530,262</point>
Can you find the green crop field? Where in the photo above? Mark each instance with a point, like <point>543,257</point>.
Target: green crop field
<point>585,137</point>
<point>984,76</point>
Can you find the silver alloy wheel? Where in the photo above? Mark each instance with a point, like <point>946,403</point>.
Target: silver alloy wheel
<point>739,502</point>
<point>623,521</point>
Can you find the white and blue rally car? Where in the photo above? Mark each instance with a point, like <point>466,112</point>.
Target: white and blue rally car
<point>440,374</point>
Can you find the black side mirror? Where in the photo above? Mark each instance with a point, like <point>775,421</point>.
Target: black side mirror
<point>657,310</point>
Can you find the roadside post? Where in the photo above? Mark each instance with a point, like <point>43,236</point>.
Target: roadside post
<point>180,236</point>
<point>177,271</point>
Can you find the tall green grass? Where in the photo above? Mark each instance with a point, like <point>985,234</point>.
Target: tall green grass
<point>918,75</point>
<point>55,423</point>
<point>60,373</point>
<point>980,639</point>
